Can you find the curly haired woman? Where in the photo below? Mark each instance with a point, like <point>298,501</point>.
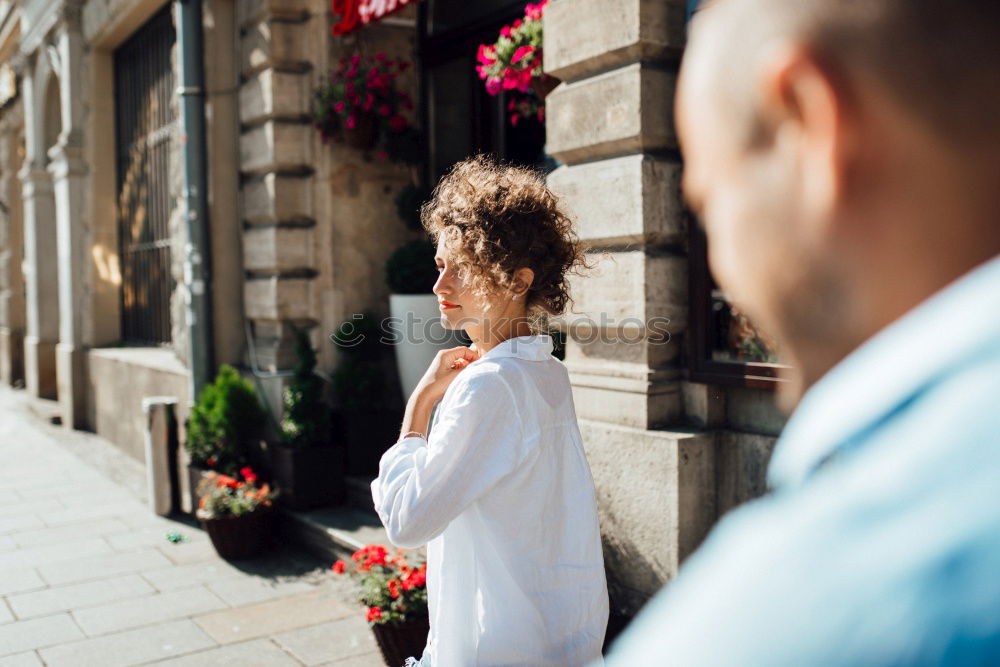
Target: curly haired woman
<point>500,489</point>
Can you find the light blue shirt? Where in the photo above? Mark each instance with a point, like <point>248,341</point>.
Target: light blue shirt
<point>880,541</point>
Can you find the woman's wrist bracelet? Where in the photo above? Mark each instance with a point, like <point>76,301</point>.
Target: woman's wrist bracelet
<point>409,433</point>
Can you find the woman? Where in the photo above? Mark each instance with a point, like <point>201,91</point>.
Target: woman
<point>500,489</point>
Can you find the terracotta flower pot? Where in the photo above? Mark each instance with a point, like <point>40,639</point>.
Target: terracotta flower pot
<point>362,136</point>
<point>239,537</point>
<point>402,640</point>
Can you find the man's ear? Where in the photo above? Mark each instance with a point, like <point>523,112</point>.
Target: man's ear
<point>805,106</point>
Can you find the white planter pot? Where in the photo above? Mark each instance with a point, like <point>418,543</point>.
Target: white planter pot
<point>416,329</point>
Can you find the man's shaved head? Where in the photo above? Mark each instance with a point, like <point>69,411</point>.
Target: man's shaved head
<point>843,156</point>
<point>938,58</point>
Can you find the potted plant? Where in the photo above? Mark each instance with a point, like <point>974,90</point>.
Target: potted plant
<point>394,593</point>
<point>361,106</point>
<point>513,65</point>
<point>306,464</point>
<point>237,515</point>
<point>224,421</point>
<point>417,333</point>
<point>365,417</point>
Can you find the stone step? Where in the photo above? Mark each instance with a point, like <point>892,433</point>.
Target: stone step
<point>333,532</point>
<point>359,493</point>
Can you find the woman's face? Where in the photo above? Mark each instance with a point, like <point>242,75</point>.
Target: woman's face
<point>458,305</point>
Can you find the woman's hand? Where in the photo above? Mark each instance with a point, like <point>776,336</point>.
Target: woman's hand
<point>446,366</point>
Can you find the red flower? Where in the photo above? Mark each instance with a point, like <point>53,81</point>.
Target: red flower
<point>339,106</point>
<point>513,119</point>
<point>397,123</point>
<point>522,52</point>
<point>339,567</point>
<point>210,461</point>
<point>393,589</point>
<point>374,613</point>
<point>352,121</point>
<point>247,473</point>
<point>369,101</point>
<point>493,86</point>
<point>486,55</point>
<point>505,31</point>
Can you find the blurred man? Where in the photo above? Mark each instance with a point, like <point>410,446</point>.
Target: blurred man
<point>844,157</point>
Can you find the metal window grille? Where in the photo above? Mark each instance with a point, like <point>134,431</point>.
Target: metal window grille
<point>145,120</point>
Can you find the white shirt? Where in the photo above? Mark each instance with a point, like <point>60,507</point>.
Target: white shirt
<point>502,494</point>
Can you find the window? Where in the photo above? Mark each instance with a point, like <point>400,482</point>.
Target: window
<point>145,119</point>
<point>725,346</point>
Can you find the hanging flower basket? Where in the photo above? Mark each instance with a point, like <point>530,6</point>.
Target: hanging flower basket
<point>361,106</point>
<point>363,134</point>
<point>513,65</point>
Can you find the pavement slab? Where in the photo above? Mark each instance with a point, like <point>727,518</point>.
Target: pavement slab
<point>88,577</point>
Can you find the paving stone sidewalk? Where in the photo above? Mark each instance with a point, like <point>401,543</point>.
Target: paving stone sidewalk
<point>87,576</point>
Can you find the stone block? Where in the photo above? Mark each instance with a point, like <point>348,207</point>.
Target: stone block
<point>271,94</point>
<point>259,620</point>
<point>632,396</point>
<point>630,290</point>
<point>742,467</point>
<point>626,110</point>
<point>754,411</point>
<point>584,36</point>
<point>622,201</point>
<point>275,198</point>
<point>279,44</point>
<point>252,11</point>
<point>277,146</point>
<point>277,298</point>
<point>274,248</point>
<point>153,643</point>
<point>656,499</point>
<point>37,633</point>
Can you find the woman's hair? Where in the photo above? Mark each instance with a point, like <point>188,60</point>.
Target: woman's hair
<point>496,218</point>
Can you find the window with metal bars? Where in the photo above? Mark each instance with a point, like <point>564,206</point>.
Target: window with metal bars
<point>145,120</point>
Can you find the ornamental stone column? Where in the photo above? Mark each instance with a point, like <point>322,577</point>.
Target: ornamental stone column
<point>610,123</point>
<point>68,169</point>
<point>40,266</point>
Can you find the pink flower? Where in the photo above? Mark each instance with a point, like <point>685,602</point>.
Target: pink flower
<point>522,52</point>
<point>486,55</point>
<point>514,118</point>
<point>482,71</point>
<point>339,107</point>
<point>493,86</point>
<point>510,105</point>
<point>352,121</point>
<point>369,101</point>
<point>355,59</point>
<point>505,31</point>
<point>516,24</point>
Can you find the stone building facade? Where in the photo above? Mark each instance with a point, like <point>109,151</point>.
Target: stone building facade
<point>300,231</point>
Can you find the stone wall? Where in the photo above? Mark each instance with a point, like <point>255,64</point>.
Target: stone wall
<point>668,456</point>
<point>319,219</point>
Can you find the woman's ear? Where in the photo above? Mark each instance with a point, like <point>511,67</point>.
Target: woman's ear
<point>523,279</point>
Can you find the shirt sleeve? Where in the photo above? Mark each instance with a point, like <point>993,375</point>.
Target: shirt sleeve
<point>476,441</point>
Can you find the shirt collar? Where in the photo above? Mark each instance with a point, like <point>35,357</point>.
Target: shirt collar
<point>952,327</point>
<point>536,347</point>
